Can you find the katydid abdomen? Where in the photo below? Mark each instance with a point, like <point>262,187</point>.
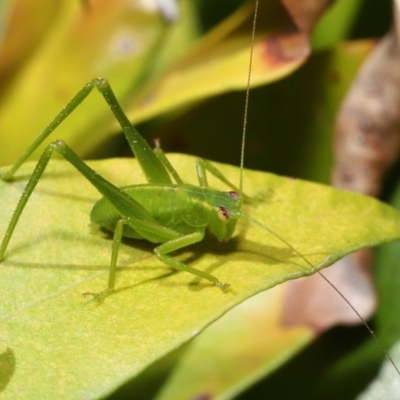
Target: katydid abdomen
<point>183,208</point>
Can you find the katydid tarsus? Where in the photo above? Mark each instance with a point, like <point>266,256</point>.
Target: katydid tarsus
<point>136,211</point>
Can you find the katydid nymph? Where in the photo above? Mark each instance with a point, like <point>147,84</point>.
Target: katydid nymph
<point>136,211</point>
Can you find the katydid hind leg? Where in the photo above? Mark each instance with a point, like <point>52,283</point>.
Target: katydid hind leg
<point>125,204</point>
<point>153,169</point>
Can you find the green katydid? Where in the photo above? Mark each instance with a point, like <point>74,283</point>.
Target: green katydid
<point>136,211</point>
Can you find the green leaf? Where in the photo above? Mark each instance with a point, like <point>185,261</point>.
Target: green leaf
<point>247,343</point>
<point>336,24</point>
<point>387,384</point>
<point>388,281</point>
<point>59,344</point>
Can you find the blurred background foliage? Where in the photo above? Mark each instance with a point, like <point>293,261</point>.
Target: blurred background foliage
<point>162,71</point>
<point>183,81</point>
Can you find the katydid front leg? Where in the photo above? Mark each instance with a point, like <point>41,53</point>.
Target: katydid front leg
<point>202,167</point>
<point>179,243</point>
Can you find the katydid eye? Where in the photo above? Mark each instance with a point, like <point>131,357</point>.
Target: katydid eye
<point>234,195</point>
<point>223,214</point>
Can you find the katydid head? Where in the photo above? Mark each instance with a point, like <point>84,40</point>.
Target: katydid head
<point>225,215</point>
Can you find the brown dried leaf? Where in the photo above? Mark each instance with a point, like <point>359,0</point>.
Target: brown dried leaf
<point>306,13</point>
<point>367,131</point>
<point>310,301</point>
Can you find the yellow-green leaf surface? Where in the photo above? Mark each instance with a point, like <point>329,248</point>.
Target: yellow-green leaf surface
<point>247,343</point>
<point>56,343</point>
